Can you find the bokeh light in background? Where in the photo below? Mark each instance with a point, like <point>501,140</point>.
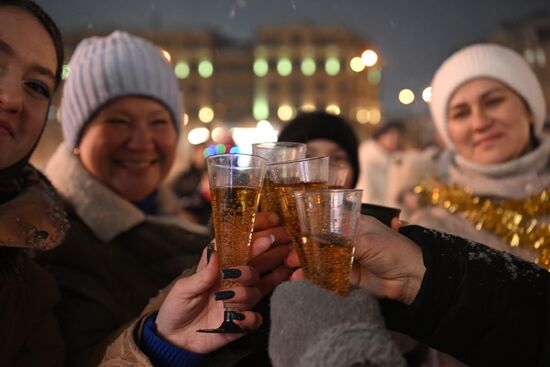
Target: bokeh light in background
<point>65,71</point>
<point>308,66</point>
<point>374,76</point>
<point>308,107</point>
<point>260,110</point>
<point>284,67</point>
<point>206,69</point>
<point>427,94</point>
<point>333,109</point>
<point>369,58</point>
<point>206,114</point>
<point>261,67</point>
<point>406,96</point>
<point>166,55</point>
<point>182,70</point>
<point>332,66</point>
<point>375,116</point>
<point>198,135</point>
<point>356,64</point>
<point>362,115</point>
<point>285,112</point>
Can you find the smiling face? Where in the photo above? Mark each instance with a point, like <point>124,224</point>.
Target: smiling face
<point>488,122</point>
<point>27,66</point>
<point>130,146</point>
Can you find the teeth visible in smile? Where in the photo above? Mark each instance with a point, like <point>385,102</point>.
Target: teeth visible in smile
<point>136,164</point>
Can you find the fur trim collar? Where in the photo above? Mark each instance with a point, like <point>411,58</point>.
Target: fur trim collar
<point>103,210</point>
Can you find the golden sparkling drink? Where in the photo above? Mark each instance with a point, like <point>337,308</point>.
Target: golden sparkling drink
<point>290,213</point>
<point>234,213</point>
<point>270,199</point>
<point>333,256</point>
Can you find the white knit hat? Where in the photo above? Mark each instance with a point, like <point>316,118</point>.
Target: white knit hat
<point>485,60</point>
<point>105,68</point>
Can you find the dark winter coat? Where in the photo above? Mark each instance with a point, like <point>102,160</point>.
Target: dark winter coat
<point>483,306</point>
<point>114,259</point>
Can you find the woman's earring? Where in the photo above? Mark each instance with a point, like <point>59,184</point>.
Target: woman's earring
<point>76,152</point>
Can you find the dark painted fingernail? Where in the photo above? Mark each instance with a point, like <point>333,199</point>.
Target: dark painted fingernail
<point>237,316</point>
<point>41,234</point>
<point>224,295</point>
<point>209,251</point>
<point>231,273</point>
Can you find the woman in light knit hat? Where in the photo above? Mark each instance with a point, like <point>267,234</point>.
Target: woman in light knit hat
<point>488,106</point>
<point>121,118</point>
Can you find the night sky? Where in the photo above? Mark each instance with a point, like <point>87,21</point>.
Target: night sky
<point>412,36</point>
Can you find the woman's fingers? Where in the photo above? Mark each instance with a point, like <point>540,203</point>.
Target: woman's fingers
<point>265,220</point>
<point>278,234</point>
<point>248,320</point>
<point>298,275</point>
<point>240,298</point>
<point>199,282</point>
<point>244,275</point>
<point>271,280</point>
<point>269,260</point>
<point>292,259</point>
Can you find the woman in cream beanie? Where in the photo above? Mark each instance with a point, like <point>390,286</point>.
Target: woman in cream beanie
<point>488,107</point>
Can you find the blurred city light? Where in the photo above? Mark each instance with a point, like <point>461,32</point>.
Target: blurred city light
<point>427,94</point>
<point>284,67</point>
<point>219,134</point>
<point>206,114</point>
<point>374,76</point>
<point>166,55</point>
<point>285,112</point>
<point>356,64</point>
<point>308,107</point>
<point>182,70</point>
<point>406,96</point>
<point>206,69</point>
<point>185,119</point>
<point>198,135</point>
<point>333,109</point>
<point>264,125</point>
<point>362,116</point>
<point>332,66</point>
<point>260,110</point>
<point>308,66</point>
<point>375,116</point>
<point>369,57</point>
<point>261,67</point>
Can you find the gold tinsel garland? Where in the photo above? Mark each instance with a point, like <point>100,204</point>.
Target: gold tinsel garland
<point>514,221</point>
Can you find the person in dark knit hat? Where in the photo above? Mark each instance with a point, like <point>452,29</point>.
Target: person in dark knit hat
<point>326,134</point>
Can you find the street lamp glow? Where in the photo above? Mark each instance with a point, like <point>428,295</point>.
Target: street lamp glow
<point>427,94</point>
<point>284,67</point>
<point>375,116</point>
<point>285,112</point>
<point>332,66</point>
<point>206,114</point>
<point>261,67</point>
<point>182,70</point>
<point>362,115</point>
<point>406,96</point>
<point>185,119</point>
<point>333,109</point>
<point>308,66</point>
<point>356,64</point>
<point>166,55</point>
<point>260,109</point>
<point>369,57</point>
<point>308,107</point>
<point>206,69</point>
<point>198,135</point>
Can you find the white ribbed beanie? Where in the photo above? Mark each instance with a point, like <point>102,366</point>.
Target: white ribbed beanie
<point>105,68</point>
<point>485,60</point>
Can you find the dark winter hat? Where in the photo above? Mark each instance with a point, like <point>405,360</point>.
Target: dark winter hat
<point>388,125</point>
<point>320,125</point>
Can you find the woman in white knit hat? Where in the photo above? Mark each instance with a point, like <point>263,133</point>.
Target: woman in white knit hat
<point>121,118</point>
<point>488,106</point>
